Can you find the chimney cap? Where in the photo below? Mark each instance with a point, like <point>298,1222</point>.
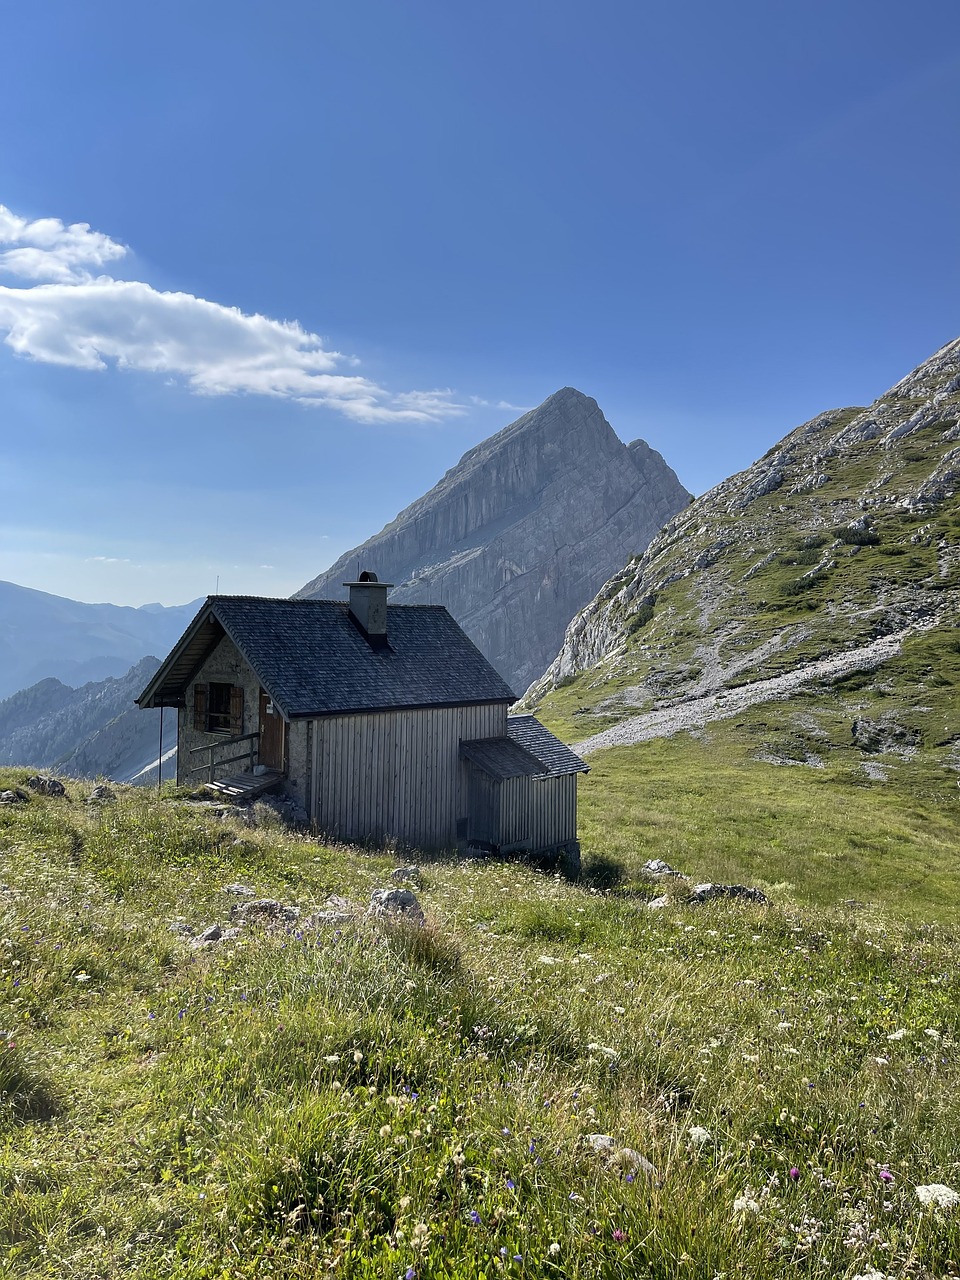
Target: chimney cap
<point>368,579</point>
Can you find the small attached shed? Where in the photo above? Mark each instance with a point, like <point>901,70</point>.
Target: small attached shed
<point>384,722</point>
<point>522,790</point>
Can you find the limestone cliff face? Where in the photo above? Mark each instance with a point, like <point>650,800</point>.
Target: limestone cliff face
<point>522,532</point>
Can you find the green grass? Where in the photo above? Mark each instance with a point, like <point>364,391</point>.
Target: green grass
<point>371,1102</point>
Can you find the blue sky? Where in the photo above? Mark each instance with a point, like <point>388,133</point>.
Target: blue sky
<point>267,271</point>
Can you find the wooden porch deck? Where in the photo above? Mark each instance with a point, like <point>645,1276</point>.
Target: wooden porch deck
<point>244,787</point>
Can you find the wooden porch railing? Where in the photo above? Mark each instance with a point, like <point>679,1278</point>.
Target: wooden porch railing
<point>211,764</point>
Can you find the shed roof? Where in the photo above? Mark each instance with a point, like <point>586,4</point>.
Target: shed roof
<point>314,660</point>
<point>555,756</point>
<point>528,750</point>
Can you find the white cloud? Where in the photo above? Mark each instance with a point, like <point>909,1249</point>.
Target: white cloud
<point>47,249</point>
<point>87,322</point>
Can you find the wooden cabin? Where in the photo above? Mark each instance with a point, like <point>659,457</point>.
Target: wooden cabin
<point>385,722</point>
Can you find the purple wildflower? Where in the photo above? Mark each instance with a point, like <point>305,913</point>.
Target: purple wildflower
<point>794,1173</point>
<point>511,1185</point>
<point>886,1175</point>
<point>474,1217</point>
<point>619,1235</point>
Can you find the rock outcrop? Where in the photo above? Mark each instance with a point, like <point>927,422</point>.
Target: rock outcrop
<point>522,532</point>
<point>819,564</point>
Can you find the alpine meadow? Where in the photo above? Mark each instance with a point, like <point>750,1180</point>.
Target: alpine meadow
<point>728,1047</point>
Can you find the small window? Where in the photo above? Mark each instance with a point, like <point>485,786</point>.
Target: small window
<point>218,707</point>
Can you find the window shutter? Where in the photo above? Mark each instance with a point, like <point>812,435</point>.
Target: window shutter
<point>200,708</point>
<point>236,709</point>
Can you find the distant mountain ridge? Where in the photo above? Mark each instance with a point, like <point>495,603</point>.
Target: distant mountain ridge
<point>522,531</point>
<point>44,636</point>
<point>92,731</point>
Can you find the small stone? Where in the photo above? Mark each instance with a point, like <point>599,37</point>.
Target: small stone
<point>264,911</point>
<point>706,892</point>
<point>14,797</point>
<point>657,869</point>
<point>397,904</point>
<point>181,928</point>
<point>410,875</point>
<point>100,795</point>
<point>240,890</point>
<point>599,1142</point>
<point>212,933</point>
<point>46,786</point>
<point>657,904</point>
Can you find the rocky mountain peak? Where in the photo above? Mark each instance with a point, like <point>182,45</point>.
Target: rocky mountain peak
<point>520,533</point>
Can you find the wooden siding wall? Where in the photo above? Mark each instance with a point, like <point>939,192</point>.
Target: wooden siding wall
<point>538,813</point>
<point>397,774</point>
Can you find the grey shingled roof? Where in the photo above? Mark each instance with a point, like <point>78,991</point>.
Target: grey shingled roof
<point>314,660</point>
<point>557,758</point>
<point>528,750</point>
<point>501,758</point>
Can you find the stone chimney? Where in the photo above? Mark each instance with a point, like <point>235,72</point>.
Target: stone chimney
<point>368,606</point>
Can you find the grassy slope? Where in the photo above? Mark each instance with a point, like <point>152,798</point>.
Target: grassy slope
<point>369,1103</point>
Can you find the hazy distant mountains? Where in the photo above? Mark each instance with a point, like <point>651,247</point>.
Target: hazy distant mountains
<point>44,636</point>
<point>522,532</point>
<point>91,731</point>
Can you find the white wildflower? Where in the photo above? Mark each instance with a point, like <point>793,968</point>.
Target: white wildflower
<point>936,1194</point>
<point>698,1135</point>
<point>897,1035</point>
<point>746,1204</point>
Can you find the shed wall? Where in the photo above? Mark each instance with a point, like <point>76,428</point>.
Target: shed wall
<point>397,774</point>
<point>538,813</point>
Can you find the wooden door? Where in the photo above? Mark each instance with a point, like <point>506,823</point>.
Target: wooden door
<point>271,733</point>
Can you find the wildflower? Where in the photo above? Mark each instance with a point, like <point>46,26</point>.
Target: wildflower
<point>474,1218</point>
<point>939,1196</point>
<point>746,1204</point>
<point>932,1032</point>
<point>897,1035</point>
<point>410,1273</point>
<point>619,1235</point>
<point>885,1175</point>
<point>698,1135</point>
<point>385,1131</point>
<point>419,1233</point>
<point>357,1055</point>
<point>553,1249</point>
<point>511,1185</point>
<point>405,1202</point>
<point>80,977</point>
<point>794,1173</point>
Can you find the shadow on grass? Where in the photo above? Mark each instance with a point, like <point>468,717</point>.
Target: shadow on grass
<point>24,1095</point>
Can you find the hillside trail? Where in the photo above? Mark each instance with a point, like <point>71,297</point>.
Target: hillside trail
<point>721,704</point>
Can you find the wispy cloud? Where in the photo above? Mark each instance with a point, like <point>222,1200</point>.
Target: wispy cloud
<point>499,404</point>
<point>72,317</point>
